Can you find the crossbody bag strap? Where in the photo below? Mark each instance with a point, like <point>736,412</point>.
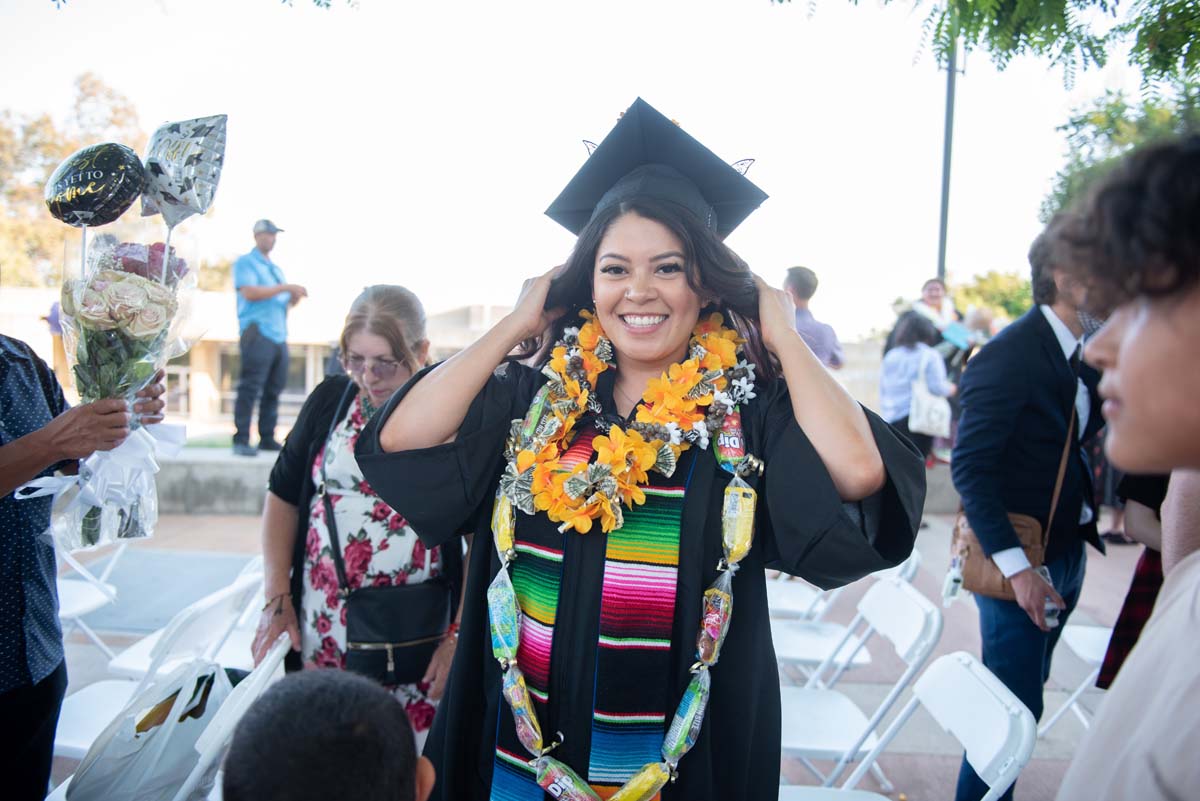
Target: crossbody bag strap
<point>1062,462</point>
<point>335,545</point>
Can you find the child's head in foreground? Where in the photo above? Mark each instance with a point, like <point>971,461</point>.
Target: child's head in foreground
<point>325,734</point>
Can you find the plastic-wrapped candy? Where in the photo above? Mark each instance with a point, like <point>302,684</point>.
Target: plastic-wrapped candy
<point>737,519</point>
<point>714,623</point>
<point>689,717</point>
<point>644,784</point>
<point>183,166</point>
<point>504,616</point>
<point>503,524</point>
<point>539,411</point>
<point>562,783</point>
<point>516,692</point>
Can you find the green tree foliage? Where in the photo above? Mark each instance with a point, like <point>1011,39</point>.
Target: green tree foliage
<point>1008,294</point>
<point>1099,134</point>
<point>1162,35</point>
<point>32,243</point>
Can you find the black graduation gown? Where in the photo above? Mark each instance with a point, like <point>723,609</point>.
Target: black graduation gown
<point>802,528</point>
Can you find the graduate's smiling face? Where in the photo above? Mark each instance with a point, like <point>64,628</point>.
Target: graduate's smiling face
<point>643,299</point>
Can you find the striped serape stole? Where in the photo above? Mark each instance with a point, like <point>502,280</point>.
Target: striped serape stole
<point>633,657</point>
<point>537,578</point>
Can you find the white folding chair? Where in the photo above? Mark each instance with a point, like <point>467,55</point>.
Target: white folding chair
<point>810,643</point>
<point>134,661</point>
<point>797,599</point>
<point>1090,643</point>
<point>994,728</point>
<point>87,593</point>
<point>197,631</point>
<point>822,723</point>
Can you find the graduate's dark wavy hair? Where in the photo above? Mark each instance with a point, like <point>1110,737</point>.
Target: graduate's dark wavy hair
<point>712,269</point>
<point>1138,230</point>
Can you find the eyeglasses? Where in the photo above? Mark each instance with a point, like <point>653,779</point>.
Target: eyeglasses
<point>383,369</point>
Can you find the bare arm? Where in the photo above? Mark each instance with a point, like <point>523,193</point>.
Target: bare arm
<point>432,411</point>
<point>1143,525</point>
<point>279,522</point>
<point>831,419</point>
<point>1180,518</point>
<point>23,458</point>
<point>439,666</point>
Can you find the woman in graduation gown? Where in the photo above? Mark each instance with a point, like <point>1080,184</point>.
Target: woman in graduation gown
<point>615,564</point>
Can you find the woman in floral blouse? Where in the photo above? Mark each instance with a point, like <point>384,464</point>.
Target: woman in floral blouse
<point>383,343</point>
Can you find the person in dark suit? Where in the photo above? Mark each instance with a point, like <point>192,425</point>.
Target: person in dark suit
<point>1019,395</point>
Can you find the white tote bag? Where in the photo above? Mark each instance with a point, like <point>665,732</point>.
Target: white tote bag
<point>149,749</point>
<point>928,413</point>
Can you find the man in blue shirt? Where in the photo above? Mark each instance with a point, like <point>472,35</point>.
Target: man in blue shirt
<point>39,434</point>
<point>263,301</point>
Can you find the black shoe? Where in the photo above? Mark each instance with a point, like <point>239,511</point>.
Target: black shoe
<point>269,445</point>
<point>244,449</point>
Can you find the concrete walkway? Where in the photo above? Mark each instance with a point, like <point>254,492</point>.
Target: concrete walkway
<point>922,762</point>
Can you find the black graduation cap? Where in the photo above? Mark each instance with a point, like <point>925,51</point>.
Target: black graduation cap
<point>648,154</point>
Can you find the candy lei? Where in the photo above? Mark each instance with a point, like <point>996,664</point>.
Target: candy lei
<point>682,408</point>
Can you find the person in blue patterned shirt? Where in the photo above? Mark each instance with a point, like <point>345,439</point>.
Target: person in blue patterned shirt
<point>39,434</point>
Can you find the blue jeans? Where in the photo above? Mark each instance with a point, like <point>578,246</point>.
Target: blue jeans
<point>1019,653</point>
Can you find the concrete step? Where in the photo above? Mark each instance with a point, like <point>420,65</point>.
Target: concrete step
<point>214,481</point>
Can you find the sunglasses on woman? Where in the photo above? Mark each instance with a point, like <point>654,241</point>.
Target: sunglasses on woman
<point>383,369</point>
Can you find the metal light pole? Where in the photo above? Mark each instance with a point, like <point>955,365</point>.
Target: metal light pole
<point>947,143</point>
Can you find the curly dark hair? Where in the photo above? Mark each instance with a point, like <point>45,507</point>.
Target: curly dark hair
<point>713,272</point>
<point>1138,231</point>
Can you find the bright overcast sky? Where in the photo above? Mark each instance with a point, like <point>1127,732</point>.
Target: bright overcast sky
<point>419,143</point>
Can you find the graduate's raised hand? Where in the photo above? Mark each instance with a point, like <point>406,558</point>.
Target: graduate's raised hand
<point>530,317</point>
<point>776,314</point>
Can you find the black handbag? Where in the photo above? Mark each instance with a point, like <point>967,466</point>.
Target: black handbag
<point>391,632</point>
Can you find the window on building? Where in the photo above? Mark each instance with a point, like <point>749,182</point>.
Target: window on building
<point>178,372</point>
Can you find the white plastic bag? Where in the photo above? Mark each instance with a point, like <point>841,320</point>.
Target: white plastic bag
<point>928,413</point>
<point>149,749</point>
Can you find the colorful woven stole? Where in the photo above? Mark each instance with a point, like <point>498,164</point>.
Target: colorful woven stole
<point>633,660</point>
<point>633,666</point>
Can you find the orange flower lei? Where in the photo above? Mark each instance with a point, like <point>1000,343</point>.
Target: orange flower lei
<point>681,408</point>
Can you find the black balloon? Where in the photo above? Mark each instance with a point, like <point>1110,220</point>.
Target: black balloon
<point>95,185</point>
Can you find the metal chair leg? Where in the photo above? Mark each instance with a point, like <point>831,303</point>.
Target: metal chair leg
<point>94,637</point>
<point>806,762</point>
<point>1069,704</point>
<point>884,784</point>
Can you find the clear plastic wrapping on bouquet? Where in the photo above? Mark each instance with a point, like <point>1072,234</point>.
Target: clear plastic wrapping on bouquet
<point>124,318</point>
<point>122,321</point>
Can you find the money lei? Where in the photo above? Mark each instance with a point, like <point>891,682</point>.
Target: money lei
<point>709,378</point>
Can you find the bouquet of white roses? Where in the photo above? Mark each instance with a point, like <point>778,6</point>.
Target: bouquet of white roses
<point>120,325</point>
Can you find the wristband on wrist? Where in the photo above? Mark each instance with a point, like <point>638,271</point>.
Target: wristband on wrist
<point>452,631</point>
